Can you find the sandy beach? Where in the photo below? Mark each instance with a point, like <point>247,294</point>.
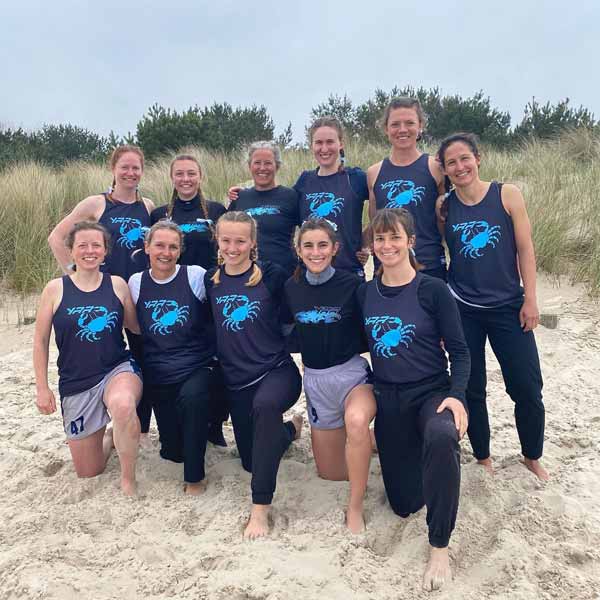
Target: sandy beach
<point>516,537</point>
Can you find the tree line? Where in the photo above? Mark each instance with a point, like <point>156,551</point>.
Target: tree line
<point>221,127</point>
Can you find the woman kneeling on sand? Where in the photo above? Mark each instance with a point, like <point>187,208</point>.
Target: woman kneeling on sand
<point>261,377</point>
<point>178,343</point>
<point>98,379</point>
<point>420,408</point>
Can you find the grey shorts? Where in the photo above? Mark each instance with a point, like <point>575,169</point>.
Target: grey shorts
<point>326,391</point>
<point>85,413</point>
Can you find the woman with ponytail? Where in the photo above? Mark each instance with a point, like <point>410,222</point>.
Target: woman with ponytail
<point>261,378</point>
<point>126,215</point>
<point>194,214</point>
<point>421,412</point>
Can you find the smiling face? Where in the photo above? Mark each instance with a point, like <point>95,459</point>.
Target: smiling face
<point>403,128</point>
<point>186,175</point>
<point>316,250</point>
<point>461,164</point>
<point>326,146</point>
<point>263,168</point>
<point>89,250</point>
<point>392,247</point>
<point>163,250</point>
<point>128,171</point>
<point>235,244</point>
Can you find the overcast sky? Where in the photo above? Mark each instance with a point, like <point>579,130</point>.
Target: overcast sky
<point>101,65</point>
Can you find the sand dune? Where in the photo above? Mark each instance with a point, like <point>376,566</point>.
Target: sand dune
<point>516,538</point>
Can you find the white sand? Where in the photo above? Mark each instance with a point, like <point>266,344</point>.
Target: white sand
<point>516,538</point>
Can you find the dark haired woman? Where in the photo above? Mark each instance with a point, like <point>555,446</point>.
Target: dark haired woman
<point>98,380</point>
<point>339,397</point>
<point>420,408</point>
<point>410,179</point>
<point>174,319</point>
<point>262,379</point>
<point>488,234</point>
<point>274,207</point>
<point>126,216</point>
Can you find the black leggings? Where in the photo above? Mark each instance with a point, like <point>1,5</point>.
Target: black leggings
<point>419,453</point>
<point>260,433</point>
<point>144,407</point>
<point>517,354</point>
<point>182,413</point>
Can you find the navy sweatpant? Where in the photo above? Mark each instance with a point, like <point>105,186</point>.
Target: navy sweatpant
<point>144,407</point>
<point>517,354</point>
<point>260,433</point>
<point>419,454</point>
<point>182,412</point>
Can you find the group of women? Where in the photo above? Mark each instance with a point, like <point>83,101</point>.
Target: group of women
<point>208,322</point>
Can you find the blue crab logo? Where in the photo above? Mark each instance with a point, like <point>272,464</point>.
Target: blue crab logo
<point>166,314</point>
<point>237,309</point>
<point>324,204</point>
<point>402,192</point>
<point>198,226</point>
<point>476,235</point>
<point>388,333</point>
<point>131,231</point>
<point>93,320</point>
<point>263,210</point>
<point>319,314</point>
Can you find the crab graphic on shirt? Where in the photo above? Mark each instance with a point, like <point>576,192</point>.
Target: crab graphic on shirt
<point>388,333</point>
<point>237,310</point>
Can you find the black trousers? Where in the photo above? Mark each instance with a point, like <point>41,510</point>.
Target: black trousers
<point>144,407</point>
<point>419,453</point>
<point>517,354</point>
<point>260,433</point>
<point>182,412</point>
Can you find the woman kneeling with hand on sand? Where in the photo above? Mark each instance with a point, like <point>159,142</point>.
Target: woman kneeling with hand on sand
<point>98,380</point>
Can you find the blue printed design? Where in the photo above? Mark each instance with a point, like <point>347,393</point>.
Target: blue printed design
<point>324,204</point>
<point>263,210</point>
<point>320,314</point>
<point>476,235</point>
<point>388,333</point>
<point>237,309</point>
<point>198,226</point>
<point>402,192</point>
<point>166,314</point>
<point>93,320</point>
<point>131,231</point>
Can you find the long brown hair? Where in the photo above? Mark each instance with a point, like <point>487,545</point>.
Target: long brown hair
<point>117,153</point>
<point>238,216</point>
<point>390,220</point>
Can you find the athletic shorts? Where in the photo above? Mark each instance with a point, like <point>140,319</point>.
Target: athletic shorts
<point>85,413</point>
<point>326,391</point>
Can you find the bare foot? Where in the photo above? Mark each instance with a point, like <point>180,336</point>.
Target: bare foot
<point>535,466</point>
<point>145,441</point>
<point>258,524</point>
<point>486,463</point>
<point>437,572</point>
<point>298,421</point>
<point>128,487</point>
<point>373,441</point>
<point>195,489</point>
<point>355,520</point>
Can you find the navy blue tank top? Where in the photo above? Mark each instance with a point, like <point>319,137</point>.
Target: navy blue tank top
<point>413,187</point>
<point>247,319</point>
<point>404,340</point>
<point>127,225</point>
<point>88,327</point>
<point>175,329</point>
<point>332,197</point>
<point>483,252</point>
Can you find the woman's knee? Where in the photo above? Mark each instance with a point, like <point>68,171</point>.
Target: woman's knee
<point>440,434</point>
<point>122,405</point>
<point>357,423</point>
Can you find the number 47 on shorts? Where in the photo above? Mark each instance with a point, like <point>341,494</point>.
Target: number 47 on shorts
<point>75,430</point>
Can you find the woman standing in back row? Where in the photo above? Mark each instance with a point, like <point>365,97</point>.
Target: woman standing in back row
<point>410,179</point>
